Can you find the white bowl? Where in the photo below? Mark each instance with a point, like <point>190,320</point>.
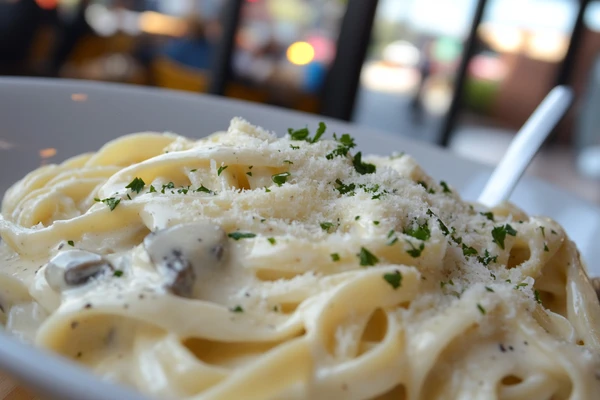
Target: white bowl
<point>75,116</point>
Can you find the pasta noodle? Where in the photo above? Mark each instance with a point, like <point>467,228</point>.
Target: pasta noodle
<point>247,266</point>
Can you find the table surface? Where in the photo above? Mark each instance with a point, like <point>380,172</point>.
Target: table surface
<point>11,390</point>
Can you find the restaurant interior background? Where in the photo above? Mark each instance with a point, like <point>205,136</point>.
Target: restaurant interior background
<point>464,73</point>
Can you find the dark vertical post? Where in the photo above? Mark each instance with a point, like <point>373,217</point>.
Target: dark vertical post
<point>221,68</point>
<point>459,82</point>
<point>566,68</point>
<point>339,93</point>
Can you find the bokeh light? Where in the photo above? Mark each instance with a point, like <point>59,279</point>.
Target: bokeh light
<point>300,53</point>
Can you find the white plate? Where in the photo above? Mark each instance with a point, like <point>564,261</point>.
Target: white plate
<point>74,117</point>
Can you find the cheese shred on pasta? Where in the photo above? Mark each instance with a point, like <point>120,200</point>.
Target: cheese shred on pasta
<point>247,266</point>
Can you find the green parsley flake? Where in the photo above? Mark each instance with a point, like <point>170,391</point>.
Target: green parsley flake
<point>394,279</point>
<point>118,273</point>
<point>281,178</point>
<point>169,185</point>
<point>320,131</point>
<point>128,196</point>
<point>520,285</point>
<point>237,309</point>
<point>204,189</point>
<point>499,234</point>
<point>489,215</point>
<point>221,169</point>
<point>367,259</point>
<point>249,173</point>
<point>421,232</point>
<point>489,289</point>
<point>536,295</point>
<point>267,190</point>
<point>543,231</point>
<point>326,226</point>
<point>194,170</point>
<point>287,162</point>
<point>272,241</point>
<point>546,247</point>
<point>481,309</point>
<point>152,189</point>
<point>111,202</point>
<point>298,134</point>
<point>241,235</point>
<point>445,186</point>
<point>294,147</point>
<point>136,185</point>
<point>487,258</point>
<point>422,183</point>
<point>335,257</point>
<point>346,142</point>
<point>553,232</point>
<point>361,167</point>
<point>357,218</point>
<point>71,243</point>
<point>468,251</point>
<point>415,252</point>
<point>345,189</point>
<point>183,190</point>
<point>375,222</point>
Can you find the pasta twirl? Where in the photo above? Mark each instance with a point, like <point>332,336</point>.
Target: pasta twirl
<point>248,266</point>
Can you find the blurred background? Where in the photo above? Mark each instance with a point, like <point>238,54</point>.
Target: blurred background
<point>464,74</point>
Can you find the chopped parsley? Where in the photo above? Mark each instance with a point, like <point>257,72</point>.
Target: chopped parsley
<point>249,173</point>
<point>443,227</point>
<point>415,252</point>
<point>520,285</point>
<point>335,257</point>
<point>481,309</point>
<point>546,247</point>
<point>489,215</point>
<point>204,189</point>
<point>152,189</point>
<point>183,190</point>
<point>345,189</point>
<point>298,134</point>
<point>487,258</point>
<point>357,218</point>
<point>421,232</point>
<point>499,234</point>
<point>267,190</point>
<point>136,185</point>
<point>375,222</point>
<point>111,202</point>
<point>272,241</point>
<point>118,273</point>
<point>320,131</point>
<point>345,143</point>
<point>423,184</point>
<point>194,170</point>
<point>281,178</point>
<point>543,231</point>
<point>128,196</point>
<point>468,251</point>
<point>287,162</point>
<point>394,279</point>
<point>536,295</point>
<point>237,309</point>
<point>445,186</point>
<point>221,169</point>
<point>489,289</point>
<point>367,259</point>
<point>553,232</point>
<point>361,167</point>
<point>326,225</point>
<point>71,243</point>
<point>294,147</point>
<point>169,185</point>
<point>241,235</point>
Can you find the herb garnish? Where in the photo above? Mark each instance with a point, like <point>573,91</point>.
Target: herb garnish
<point>499,234</point>
<point>294,147</point>
<point>536,295</point>
<point>298,134</point>
<point>249,173</point>
<point>345,189</point>
<point>481,309</point>
<point>357,218</point>
<point>169,185</point>
<point>489,215</point>
<point>543,231</point>
<point>468,251</point>
<point>194,170</point>
<point>546,247</point>
<point>118,273</point>
<point>361,167</point>
<point>346,142</point>
<point>111,202</point>
<point>421,232</point>
<point>326,226</point>
<point>445,186</point>
<point>489,289</point>
<point>395,279</point>
<point>204,189</point>
<point>487,258</point>
<point>272,241</point>
<point>553,232</point>
<point>320,131</point>
<point>335,257</point>
<point>422,184</point>
<point>136,185</point>
<point>237,309</point>
<point>71,243</point>
<point>367,258</point>
<point>414,251</point>
<point>375,222</point>
<point>520,285</point>
<point>152,189</point>
<point>280,179</point>
<point>241,235</point>
<point>221,169</point>
<point>287,162</point>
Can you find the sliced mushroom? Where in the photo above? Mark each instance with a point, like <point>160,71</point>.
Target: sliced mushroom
<point>182,251</point>
<point>74,268</point>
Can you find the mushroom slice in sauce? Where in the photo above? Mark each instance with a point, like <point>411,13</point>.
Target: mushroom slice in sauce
<point>74,268</point>
<point>182,251</point>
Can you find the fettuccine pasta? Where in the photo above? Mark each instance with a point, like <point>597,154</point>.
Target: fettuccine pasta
<point>247,266</point>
